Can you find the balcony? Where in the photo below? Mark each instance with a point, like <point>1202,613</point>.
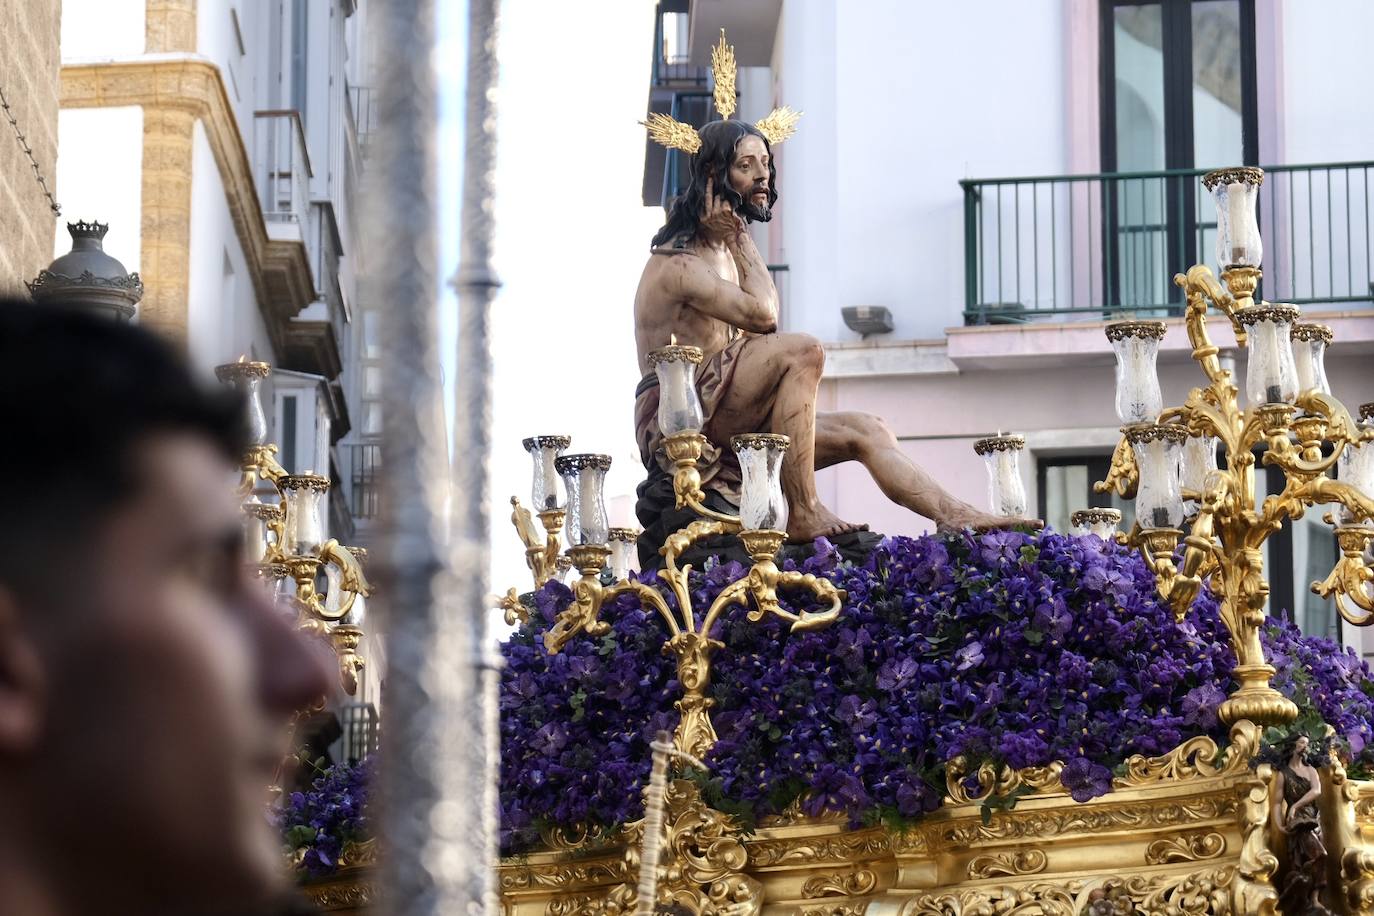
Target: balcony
<point>282,166</point>
<point>1099,246</point>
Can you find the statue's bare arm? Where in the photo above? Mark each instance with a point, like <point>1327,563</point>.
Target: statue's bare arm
<point>750,307</point>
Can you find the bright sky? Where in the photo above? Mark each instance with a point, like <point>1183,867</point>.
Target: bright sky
<point>572,238</point>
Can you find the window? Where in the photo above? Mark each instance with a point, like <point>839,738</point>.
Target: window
<point>1178,92</point>
<point>1294,558</point>
<point>288,432</point>
<point>1065,485</point>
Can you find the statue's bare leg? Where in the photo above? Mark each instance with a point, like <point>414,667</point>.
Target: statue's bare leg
<point>850,436</point>
<point>774,388</point>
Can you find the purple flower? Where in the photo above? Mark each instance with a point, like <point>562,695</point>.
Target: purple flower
<point>969,656</point>
<point>1085,780</point>
<point>1006,648</point>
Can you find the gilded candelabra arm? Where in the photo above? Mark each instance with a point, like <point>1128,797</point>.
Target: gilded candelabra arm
<point>1123,475</point>
<point>684,450</point>
<point>1326,490</point>
<point>1200,287</point>
<point>512,608</point>
<point>541,550</point>
<point>1201,554</point>
<point>680,541</point>
<point>589,596</point>
<point>352,582</point>
<point>1350,579</point>
<point>760,587</point>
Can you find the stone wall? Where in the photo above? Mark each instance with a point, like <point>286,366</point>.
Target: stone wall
<point>29,65</point>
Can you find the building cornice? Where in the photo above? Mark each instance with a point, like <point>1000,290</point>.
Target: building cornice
<point>172,87</point>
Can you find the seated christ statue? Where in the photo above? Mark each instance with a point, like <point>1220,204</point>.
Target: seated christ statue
<point>705,284</point>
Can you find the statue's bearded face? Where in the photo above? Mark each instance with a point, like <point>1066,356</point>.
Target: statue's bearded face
<point>749,178</point>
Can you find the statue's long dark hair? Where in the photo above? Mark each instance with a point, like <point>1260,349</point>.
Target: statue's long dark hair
<point>1277,754</point>
<point>717,154</point>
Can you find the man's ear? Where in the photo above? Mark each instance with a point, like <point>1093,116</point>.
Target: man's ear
<point>22,684</point>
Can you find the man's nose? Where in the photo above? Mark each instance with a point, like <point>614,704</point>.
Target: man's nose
<point>294,669</point>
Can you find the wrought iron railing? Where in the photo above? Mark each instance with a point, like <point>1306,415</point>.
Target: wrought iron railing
<point>1092,246</point>
<point>282,166</point>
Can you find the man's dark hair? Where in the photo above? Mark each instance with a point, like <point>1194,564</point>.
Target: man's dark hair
<point>713,160</point>
<point>78,394</point>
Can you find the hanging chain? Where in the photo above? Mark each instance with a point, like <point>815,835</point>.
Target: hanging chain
<point>28,151</point>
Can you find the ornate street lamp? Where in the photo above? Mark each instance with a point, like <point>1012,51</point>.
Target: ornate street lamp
<point>88,278</point>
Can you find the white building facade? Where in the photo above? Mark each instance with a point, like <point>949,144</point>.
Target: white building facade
<point>224,141</point>
<point>1007,178</point>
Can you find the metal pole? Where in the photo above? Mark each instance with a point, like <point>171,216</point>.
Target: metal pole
<point>428,814</point>
<point>476,284</point>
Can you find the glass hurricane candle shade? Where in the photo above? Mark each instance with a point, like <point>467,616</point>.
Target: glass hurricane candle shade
<point>679,407</point>
<point>1006,493</point>
<point>1236,191</point>
<point>254,530</point>
<point>1272,374</point>
<point>333,596</point>
<point>1309,356</point>
<point>545,451</point>
<point>1356,467</point>
<point>1101,522</point>
<point>763,507</point>
<point>1136,344</point>
<point>246,378</point>
<point>584,478</point>
<point>304,525</point>
<point>1158,452</point>
<point>357,612</point>
<point>622,552</point>
<point>1198,462</point>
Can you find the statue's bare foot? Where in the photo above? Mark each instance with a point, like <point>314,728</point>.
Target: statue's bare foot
<point>805,527</point>
<point>983,522</point>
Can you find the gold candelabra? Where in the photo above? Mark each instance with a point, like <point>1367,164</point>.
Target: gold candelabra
<point>678,817</point>
<point>688,627</point>
<point>1166,459</point>
<point>285,536</point>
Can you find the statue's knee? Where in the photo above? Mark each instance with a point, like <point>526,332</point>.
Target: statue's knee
<point>875,433</point>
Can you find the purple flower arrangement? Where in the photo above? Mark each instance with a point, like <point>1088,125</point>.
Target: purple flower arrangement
<point>317,825</point>
<point>1006,647</point>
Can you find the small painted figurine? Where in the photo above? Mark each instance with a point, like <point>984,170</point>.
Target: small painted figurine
<point>1297,814</point>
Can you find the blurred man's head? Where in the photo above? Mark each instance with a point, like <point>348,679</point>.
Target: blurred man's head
<point>145,679</point>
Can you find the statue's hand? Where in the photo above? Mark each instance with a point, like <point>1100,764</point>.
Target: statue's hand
<point>719,222</point>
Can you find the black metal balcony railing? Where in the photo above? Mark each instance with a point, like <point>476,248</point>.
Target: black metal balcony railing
<point>365,479</point>
<point>1092,246</point>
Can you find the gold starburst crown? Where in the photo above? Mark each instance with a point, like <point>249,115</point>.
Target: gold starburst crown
<point>780,123</point>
